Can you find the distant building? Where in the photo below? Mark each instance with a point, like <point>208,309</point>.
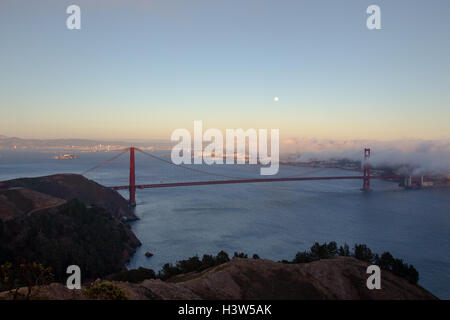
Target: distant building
<point>65,157</point>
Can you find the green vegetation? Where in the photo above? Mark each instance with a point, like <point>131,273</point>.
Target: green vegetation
<point>69,234</point>
<point>361,252</point>
<point>325,251</point>
<point>318,251</point>
<point>106,291</point>
<point>193,264</point>
<point>23,274</point>
<point>97,242</point>
<point>240,255</point>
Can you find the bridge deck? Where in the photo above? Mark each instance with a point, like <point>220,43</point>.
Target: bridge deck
<point>258,180</point>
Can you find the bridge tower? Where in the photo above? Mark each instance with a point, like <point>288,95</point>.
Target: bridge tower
<point>132,184</point>
<point>366,179</point>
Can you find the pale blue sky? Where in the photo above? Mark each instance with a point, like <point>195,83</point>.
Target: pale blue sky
<point>140,69</point>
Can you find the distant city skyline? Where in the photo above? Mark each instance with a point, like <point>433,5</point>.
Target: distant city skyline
<point>141,69</point>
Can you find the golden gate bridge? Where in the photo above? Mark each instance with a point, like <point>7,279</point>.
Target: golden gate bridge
<point>132,186</point>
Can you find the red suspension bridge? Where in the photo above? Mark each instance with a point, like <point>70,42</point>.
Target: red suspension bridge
<point>132,186</point>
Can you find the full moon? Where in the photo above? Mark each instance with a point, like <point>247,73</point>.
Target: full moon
<point>276,99</point>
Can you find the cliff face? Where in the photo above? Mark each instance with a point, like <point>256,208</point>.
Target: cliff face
<point>74,186</point>
<point>340,278</point>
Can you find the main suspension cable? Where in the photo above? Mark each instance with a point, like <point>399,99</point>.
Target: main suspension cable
<point>184,167</point>
<point>105,162</point>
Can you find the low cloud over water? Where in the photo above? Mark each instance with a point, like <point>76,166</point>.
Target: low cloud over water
<point>406,156</point>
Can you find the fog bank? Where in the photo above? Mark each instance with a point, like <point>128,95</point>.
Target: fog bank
<point>405,156</point>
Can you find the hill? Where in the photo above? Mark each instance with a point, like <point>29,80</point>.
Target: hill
<point>255,279</point>
<point>62,220</point>
<point>74,186</point>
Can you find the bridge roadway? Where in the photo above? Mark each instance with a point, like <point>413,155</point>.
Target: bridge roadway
<point>258,180</point>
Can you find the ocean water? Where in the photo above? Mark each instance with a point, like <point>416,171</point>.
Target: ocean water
<point>274,220</point>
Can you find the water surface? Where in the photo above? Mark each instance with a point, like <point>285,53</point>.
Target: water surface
<point>274,220</point>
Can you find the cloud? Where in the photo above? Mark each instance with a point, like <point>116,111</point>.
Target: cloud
<point>406,156</point>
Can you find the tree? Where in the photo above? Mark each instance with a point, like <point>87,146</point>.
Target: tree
<point>222,257</point>
<point>167,271</point>
<point>344,251</point>
<point>324,251</point>
<point>22,273</point>
<point>303,257</point>
<point>332,250</point>
<point>189,265</point>
<point>240,255</point>
<point>363,253</point>
<point>386,261</point>
<point>208,261</point>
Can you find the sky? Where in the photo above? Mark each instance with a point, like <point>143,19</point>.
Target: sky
<point>139,69</point>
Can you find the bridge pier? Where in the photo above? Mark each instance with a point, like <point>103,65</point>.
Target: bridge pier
<point>132,184</point>
<point>366,177</point>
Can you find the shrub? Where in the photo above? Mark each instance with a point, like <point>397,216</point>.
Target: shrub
<point>106,291</point>
<point>193,264</point>
<point>22,273</point>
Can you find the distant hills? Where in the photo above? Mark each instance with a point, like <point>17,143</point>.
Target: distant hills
<point>413,156</point>
<point>14,143</point>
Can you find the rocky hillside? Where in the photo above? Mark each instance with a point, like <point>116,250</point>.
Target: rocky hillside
<point>15,202</point>
<point>62,220</point>
<point>74,186</point>
<point>339,278</point>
